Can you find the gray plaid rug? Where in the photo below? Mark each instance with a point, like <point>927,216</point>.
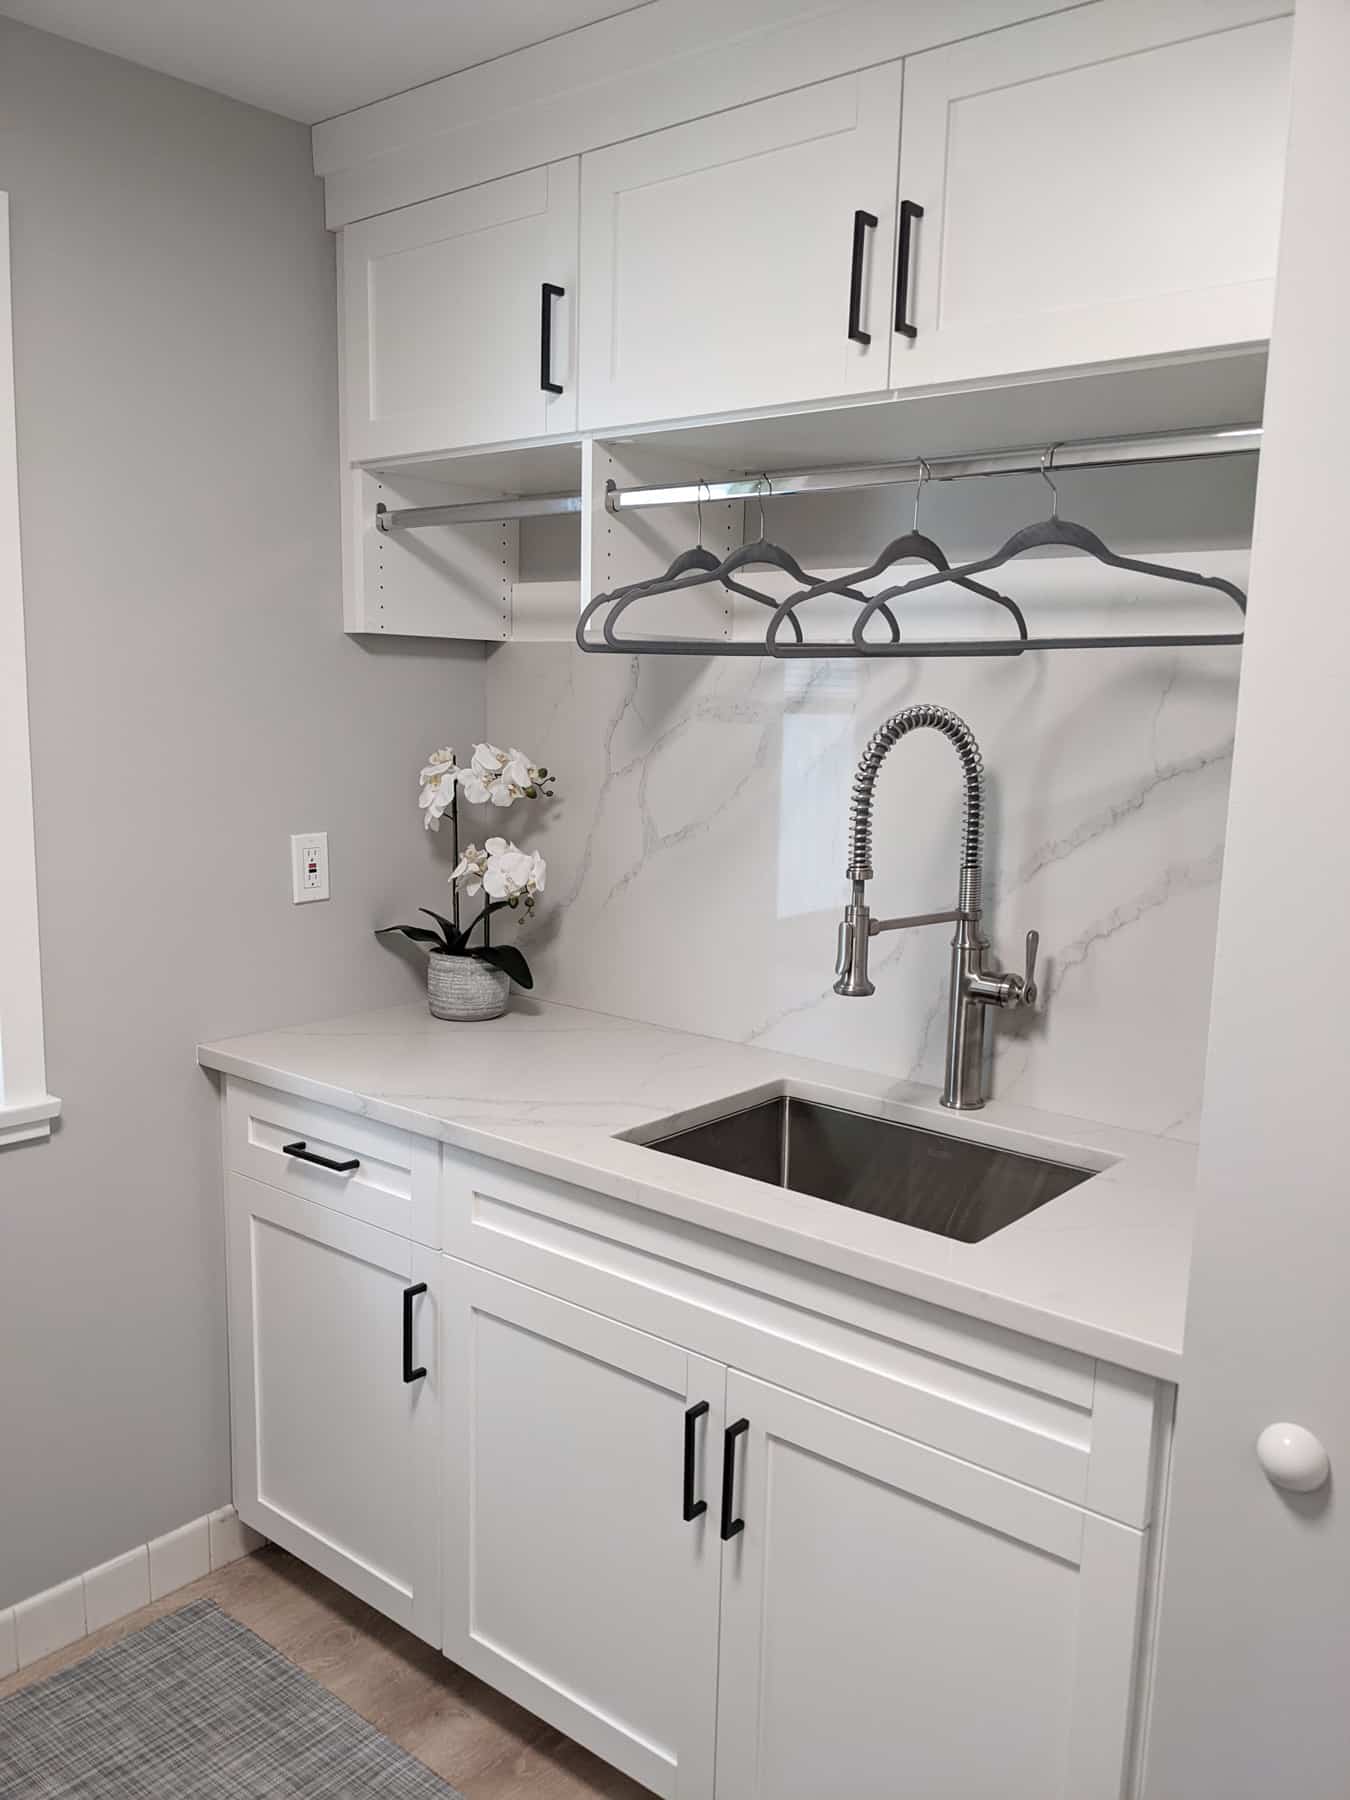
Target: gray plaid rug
<point>195,1707</point>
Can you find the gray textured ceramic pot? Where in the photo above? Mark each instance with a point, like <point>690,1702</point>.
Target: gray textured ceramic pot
<point>462,987</point>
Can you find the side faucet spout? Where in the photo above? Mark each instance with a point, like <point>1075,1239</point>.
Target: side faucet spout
<point>973,987</point>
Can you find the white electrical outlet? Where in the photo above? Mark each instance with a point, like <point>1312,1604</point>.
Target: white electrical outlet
<point>309,866</point>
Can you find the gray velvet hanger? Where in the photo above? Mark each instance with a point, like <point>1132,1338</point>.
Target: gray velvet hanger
<point>696,568</point>
<point>1055,532</point>
<point>914,545</point>
<point>699,562</point>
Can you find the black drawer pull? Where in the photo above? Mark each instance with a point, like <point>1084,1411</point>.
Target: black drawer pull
<point>298,1149</point>
<point>863,222</point>
<point>692,1508</point>
<point>409,1295</point>
<point>909,211</point>
<point>551,292</point>
<point>731,1526</point>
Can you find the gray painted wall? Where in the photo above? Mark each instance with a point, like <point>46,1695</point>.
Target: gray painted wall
<point>193,701</point>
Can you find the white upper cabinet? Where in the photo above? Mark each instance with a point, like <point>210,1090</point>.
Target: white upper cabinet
<point>1098,185</point>
<point>897,1622</point>
<point>743,260</point>
<point>459,318</point>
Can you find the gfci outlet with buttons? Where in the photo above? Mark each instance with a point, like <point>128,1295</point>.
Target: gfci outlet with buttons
<point>309,866</point>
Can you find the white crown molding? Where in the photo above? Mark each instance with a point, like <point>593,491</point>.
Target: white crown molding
<point>662,64</point>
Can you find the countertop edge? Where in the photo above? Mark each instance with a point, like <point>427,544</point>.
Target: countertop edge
<point>1141,1355</point>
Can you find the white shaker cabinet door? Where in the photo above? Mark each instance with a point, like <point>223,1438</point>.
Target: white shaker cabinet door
<point>897,1622</point>
<point>1100,184</point>
<point>446,307</point>
<point>718,257</point>
<point>574,1583</point>
<point>335,1394</point>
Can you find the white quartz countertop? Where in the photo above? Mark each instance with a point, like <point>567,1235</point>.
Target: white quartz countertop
<point>1102,1269</point>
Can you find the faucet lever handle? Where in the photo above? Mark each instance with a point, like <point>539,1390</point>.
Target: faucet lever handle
<point>844,948</point>
<point>1029,980</point>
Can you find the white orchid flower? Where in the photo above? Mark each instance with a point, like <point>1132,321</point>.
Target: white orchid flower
<point>471,868</point>
<point>516,768</point>
<point>437,781</point>
<point>503,871</point>
<point>499,777</point>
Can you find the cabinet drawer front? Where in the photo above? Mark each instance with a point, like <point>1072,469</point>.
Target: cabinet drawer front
<point>895,1621</point>
<point>393,1186</point>
<point>716,256</point>
<point>1046,1417</point>
<point>1098,185</point>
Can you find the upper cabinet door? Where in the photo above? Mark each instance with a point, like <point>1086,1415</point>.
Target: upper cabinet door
<point>449,309</point>
<point>741,260</point>
<point>897,1622</point>
<point>1101,184</point>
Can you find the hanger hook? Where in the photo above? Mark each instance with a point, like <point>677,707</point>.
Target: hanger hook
<point>1048,463</point>
<point>760,486</point>
<point>925,474</point>
<point>698,506</point>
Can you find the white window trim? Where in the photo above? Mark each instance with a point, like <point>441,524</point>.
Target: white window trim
<point>26,1108</point>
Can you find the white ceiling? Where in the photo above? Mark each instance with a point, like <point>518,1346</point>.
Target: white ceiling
<point>310,59</point>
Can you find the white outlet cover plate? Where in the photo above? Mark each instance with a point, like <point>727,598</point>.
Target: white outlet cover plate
<point>309,866</point>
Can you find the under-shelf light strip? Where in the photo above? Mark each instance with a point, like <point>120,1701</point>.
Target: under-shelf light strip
<point>1178,447</point>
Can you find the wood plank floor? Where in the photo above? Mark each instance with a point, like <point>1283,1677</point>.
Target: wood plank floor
<point>479,1742</point>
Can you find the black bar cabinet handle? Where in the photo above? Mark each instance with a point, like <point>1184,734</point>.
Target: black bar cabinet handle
<point>409,1295</point>
<point>863,222</point>
<point>909,211</point>
<point>730,1526</point>
<point>551,292</point>
<point>692,1508</point>
<point>298,1149</point>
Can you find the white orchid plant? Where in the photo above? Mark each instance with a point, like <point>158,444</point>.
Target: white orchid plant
<point>508,877</point>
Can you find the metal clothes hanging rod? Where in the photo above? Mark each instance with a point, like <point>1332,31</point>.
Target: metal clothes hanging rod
<point>1183,446</point>
<point>475,512</point>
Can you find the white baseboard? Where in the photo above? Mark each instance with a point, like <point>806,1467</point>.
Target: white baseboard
<point>34,1628</point>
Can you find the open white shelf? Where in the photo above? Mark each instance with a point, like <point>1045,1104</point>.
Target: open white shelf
<point>506,579</point>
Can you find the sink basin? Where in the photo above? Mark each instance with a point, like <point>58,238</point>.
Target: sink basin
<point>953,1186</point>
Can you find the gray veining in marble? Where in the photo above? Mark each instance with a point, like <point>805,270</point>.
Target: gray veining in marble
<point>696,854</point>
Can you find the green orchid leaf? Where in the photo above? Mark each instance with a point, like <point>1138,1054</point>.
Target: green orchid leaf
<point>454,940</point>
<point>416,934</point>
<point>508,959</point>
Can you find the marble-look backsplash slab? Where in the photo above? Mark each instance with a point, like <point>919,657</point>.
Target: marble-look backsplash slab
<point>696,855</point>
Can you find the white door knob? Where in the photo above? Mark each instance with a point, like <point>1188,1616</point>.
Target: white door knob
<point>1293,1458</point>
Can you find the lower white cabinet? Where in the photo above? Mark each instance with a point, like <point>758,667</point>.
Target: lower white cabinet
<point>574,1582</point>
<point>891,1620</point>
<point>334,1396</point>
<point>727,1589</point>
<point>895,1621</point>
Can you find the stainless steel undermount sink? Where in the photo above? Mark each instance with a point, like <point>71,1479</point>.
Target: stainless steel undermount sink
<point>954,1186</point>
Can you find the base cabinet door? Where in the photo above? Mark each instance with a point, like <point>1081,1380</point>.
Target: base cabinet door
<point>730,262</point>
<point>334,1396</point>
<point>896,1622</point>
<point>458,318</point>
<point>1103,183</point>
<point>574,1581</point>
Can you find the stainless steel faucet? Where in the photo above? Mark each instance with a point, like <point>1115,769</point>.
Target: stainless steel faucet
<point>973,987</point>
